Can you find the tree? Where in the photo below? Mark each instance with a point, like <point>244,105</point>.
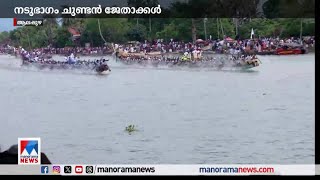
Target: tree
<point>193,30</point>
<point>137,33</point>
<point>169,31</point>
<point>187,9</point>
<point>63,37</point>
<point>289,8</point>
<point>49,26</point>
<point>4,37</point>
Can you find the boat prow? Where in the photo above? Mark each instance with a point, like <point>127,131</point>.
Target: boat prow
<point>246,67</point>
<point>103,69</point>
<point>248,64</point>
<point>106,72</point>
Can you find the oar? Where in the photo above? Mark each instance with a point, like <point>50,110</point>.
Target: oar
<point>259,61</point>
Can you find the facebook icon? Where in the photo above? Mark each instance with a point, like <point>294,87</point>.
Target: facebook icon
<point>44,170</point>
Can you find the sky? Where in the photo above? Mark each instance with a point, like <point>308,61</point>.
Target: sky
<point>6,24</point>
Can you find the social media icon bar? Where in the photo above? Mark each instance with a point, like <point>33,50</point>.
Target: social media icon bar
<point>78,169</point>
<point>89,169</point>
<point>67,169</point>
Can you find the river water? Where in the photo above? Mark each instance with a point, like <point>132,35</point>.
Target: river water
<point>263,116</point>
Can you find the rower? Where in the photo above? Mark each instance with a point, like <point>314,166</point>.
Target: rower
<point>71,59</point>
<point>185,57</point>
<point>28,55</point>
<point>104,62</point>
<point>36,58</point>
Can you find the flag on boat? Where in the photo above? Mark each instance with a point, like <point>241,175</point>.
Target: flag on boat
<point>252,33</point>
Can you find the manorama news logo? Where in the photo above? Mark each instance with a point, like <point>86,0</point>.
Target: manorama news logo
<point>29,151</point>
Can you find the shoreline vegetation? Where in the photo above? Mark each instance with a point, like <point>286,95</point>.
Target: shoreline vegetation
<point>181,21</point>
<point>80,32</point>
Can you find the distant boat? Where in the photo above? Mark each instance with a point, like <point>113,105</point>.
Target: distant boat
<point>290,49</point>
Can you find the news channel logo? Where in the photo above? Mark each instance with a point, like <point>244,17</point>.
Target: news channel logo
<point>44,169</point>
<point>56,169</point>
<point>29,151</point>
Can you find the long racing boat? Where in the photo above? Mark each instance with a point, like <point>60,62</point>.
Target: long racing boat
<point>98,66</point>
<point>213,63</point>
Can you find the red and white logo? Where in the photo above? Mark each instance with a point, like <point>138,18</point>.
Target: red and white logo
<point>29,151</point>
<point>78,169</point>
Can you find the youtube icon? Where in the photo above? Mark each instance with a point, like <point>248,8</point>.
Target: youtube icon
<point>78,169</point>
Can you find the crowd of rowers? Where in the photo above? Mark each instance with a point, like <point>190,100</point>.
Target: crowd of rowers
<point>38,58</point>
<point>235,60</point>
<point>70,61</point>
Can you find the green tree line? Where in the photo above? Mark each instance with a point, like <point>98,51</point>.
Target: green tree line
<point>55,32</point>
